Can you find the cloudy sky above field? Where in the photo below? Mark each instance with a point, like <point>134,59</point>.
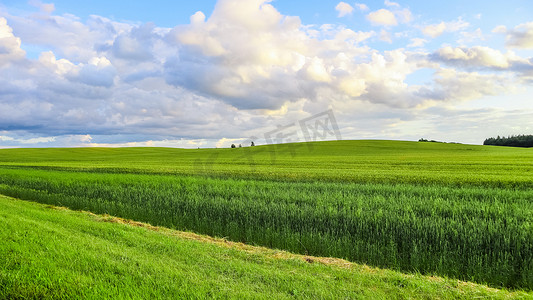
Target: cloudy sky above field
<point>209,73</point>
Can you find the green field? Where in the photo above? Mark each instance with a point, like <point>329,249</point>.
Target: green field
<point>53,253</point>
<point>461,211</point>
<point>335,161</point>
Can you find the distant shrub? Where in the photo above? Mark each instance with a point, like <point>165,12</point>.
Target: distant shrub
<point>431,141</point>
<point>233,146</point>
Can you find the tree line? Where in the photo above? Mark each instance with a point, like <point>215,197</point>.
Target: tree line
<point>240,145</point>
<point>512,141</point>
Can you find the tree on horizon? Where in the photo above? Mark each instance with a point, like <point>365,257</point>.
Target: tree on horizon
<point>523,140</point>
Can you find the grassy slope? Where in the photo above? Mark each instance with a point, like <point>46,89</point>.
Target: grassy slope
<point>355,161</point>
<point>370,162</point>
<point>477,234</point>
<point>49,252</point>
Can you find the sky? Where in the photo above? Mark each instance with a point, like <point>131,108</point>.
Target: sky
<point>211,73</point>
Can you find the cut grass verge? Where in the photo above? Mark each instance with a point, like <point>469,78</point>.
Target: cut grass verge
<point>51,252</point>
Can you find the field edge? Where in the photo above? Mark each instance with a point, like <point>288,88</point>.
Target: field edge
<point>461,287</point>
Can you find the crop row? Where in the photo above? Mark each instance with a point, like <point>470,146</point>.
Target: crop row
<point>473,233</point>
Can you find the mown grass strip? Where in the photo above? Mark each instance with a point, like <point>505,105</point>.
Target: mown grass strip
<point>51,252</point>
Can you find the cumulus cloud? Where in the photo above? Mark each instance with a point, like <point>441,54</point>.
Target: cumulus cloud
<point>485,58</point>
<point>391,4</point>
<point>475,56</point>
<point>98,72</point>
<point>9,45</point>
<point>461,86</point>
<point>482,57</point>
<point>519,37</point>
<point>500,29</point>
<point>382,17</point>
<point>230,75</point>
<point>344,9</point>
<point>435,30</point>
<point>258,58</point>
<point>44,7</point>
<point>390,17</point>
<point>404,15</point>
<point>135,44</point>
<point>362,6</point>
<point>273,65</point>
<point>469,37</point>
<point>66,35</point>
<point>64,97</point>
<point>385,36</point>
<point>417,42</point>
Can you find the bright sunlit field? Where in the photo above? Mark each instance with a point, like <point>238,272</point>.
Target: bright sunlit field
<point>53,253</point>
<point>282,125</point>
<point>460,211</point>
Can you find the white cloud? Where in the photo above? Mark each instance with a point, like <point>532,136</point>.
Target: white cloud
<point>10,50</point>
<point>484,58</point>
<point>6,138</point>
<point>479,56</point>
<point>500,29</point>
<point>417,42</point>
<point>135,44</point>
<point>469,37</point>
<point>44,7</point>
<point>198,18</point>
<point>229,75</point>
<point>344,9</point>
<point>349,35</point>
<point>317,71</point>
<point>98,72</point>
<point>85,138</point>
<point>225,142</point>
<point>519,37</point>
<point>261,68</point>
<point>60,67</point>
<point>35,141</point>
<point>66,35</point>
<point>362,6</point>
<point>391,4</point>
<point>382,17</point>
<point>38,140</point>
<point>390,17</point>
<point>436,30</point>
<point>463,86</point>
<point>404,15</point>
<point>385,36</point>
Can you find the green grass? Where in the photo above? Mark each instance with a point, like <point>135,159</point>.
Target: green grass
<point>462,211</point>
<point>346,161</point>
<point>48,252</point>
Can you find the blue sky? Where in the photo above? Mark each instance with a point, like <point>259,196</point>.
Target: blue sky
<point>212,73</point>
<point>163,13</point>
